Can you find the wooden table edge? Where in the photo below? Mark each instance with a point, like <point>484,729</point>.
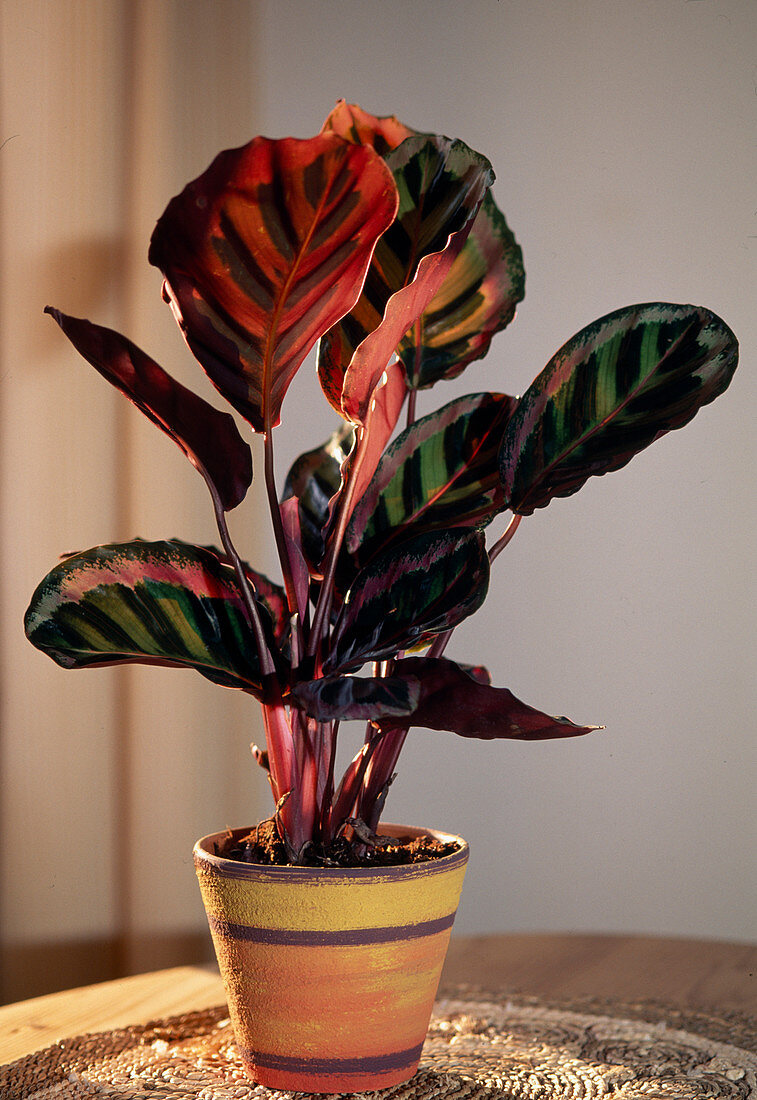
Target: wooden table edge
<point>31,1025</point>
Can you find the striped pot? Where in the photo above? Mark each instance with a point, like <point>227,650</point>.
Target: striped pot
<point>330,973</point>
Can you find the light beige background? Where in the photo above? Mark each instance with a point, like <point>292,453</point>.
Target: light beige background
<point>623,137</point>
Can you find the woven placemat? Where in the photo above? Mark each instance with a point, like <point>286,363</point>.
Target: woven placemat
<point>479,1046</point>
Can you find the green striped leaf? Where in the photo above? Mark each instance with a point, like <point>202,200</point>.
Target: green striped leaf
<point>476,300</point>
<point>479,295</point>
<point>439,472</point>
<point>314,479</point>
<point>421,587</point>
<point>441,185</point>
<point>150,603</point>
<point>613,389</point>
<point>210,439</point>
<point>266,251</point>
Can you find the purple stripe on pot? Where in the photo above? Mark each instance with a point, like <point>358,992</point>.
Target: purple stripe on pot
<point>377,1063</point>
<point>318,938</point>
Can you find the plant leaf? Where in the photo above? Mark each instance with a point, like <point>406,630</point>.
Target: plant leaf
<point>368,698</point>
<point>613,389</point>
<point>441,184</point>
<point>440,472</point>
<point>147,602</point>
<point>268,593</point>
<point>317,476</point>
<point>356,125</point>
<point>266,251</point>
<point>381,420</point>
<point>422,586</point>
<point>476,300</point>
<point>452,699</point>
<point>290,521</point>
<point>210,439</point>
<point>314,479</point>
<point>484,284</point>
<point>433,693</point>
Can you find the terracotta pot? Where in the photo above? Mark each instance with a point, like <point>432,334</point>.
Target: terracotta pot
<point>330,973</point>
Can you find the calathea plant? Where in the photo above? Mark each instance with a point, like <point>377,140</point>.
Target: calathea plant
<point>386,246</point>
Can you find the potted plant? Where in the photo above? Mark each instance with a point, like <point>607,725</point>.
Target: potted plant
<point>384,246</point>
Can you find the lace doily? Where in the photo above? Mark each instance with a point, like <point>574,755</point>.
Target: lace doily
<point>478,1048</point>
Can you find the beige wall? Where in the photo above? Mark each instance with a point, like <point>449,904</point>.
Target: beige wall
<point>107,109</point>
<point>623,140</point>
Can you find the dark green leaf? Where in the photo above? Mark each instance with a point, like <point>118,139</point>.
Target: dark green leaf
<point>422,586</point>
<point>268,594</point>
<point>148,602</point>
<point>482,288</point>
<point>613,389</point>
<point>440,472</point>
<point>476,300</point>
<point>368,698</point>
<point>266,251</point>
<point>314,478</point>
<point>210,439</point>
<point>441,184</point>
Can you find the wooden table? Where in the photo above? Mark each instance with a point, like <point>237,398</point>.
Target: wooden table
<point>707,975</point>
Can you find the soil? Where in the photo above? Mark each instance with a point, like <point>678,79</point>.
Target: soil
<point>264,845</point>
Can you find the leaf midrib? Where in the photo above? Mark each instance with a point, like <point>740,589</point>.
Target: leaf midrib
<point>270,344</point>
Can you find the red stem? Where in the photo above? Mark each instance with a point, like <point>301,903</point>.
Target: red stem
<point>264,655</point>
<point>503,540</point>
<point>378,774</point>
<point>278,526</point>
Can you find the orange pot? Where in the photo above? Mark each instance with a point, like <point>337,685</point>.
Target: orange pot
<point>330,973</point>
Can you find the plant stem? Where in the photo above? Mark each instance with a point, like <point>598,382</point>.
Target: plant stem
<point>267,667</point>
<point>412,397</point>
<point>378,775</point>
<point>346,801</point>
<point>503,540</point>
<point>328,791</point>
<point>439,644</point>
<point>281,758</point>
<point>278,527</point>
<point>307,780</point>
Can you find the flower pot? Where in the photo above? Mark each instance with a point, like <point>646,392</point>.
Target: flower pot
<point>330,972</point>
